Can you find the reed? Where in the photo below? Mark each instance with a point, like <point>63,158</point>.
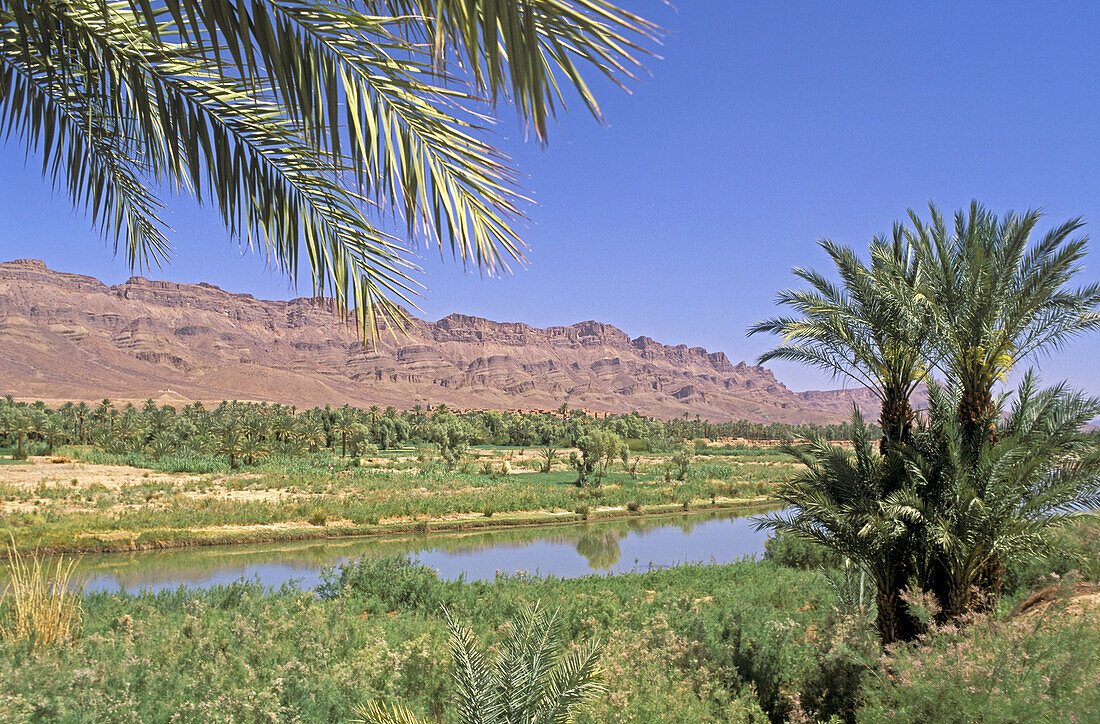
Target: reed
<point>39,605</point>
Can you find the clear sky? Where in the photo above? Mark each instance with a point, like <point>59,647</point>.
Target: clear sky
<point>763,127</point>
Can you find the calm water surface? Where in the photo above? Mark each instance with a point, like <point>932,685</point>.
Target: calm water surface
<point>613,546</point>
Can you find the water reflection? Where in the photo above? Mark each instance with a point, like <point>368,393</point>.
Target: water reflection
<point>600,548</point>
<point>611,546</point>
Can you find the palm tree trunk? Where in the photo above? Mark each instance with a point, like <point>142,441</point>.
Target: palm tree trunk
<point>894,621</point>
<point>976,409</point>
<point>896,419</point>
<point>989,582</point>
<point>976,417</point>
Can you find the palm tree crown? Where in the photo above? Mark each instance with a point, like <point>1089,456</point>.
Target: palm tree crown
<point>997,298</point>
<point>857,329</point>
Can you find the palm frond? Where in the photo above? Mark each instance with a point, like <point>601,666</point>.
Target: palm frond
<point>309,125</point>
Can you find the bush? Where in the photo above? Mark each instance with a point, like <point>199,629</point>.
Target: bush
<point>634,506</point>
<point>1038,670</point>
<point>318,518</point>
<point>791,551</point>
<point>394,582</point>
<point>1077,549</point>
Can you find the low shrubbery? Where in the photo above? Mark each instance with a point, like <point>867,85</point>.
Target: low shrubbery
<point>748,642</point>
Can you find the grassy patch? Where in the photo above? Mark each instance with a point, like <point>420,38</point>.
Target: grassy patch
<point>145,502</point>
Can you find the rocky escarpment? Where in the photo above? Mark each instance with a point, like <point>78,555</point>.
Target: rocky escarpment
<point>67,336</point>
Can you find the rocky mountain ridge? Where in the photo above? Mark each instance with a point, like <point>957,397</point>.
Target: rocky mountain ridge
<point>68,336</point>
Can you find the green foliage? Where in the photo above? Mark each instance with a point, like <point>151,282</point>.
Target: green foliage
<point>681,459</point>
<point>943,508</point>
<point>531,677</point>
<point>1074,551</point>
<point>599,451</point>
<point>384,584</point>
<point>749,641</point>
<point>1009,499</point>
<point>1034,670</point>
<point>792,551</point>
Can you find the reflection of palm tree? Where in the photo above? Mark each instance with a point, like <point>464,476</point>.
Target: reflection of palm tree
<point>600,548</point>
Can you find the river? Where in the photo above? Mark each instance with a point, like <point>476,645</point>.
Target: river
<point>566,551</point>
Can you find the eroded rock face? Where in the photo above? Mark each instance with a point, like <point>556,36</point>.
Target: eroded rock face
<point>67,336</point>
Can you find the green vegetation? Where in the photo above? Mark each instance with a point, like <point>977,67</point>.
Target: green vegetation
<point>243,472</point>
<point>747,642</point>
<point>531,678</point>
<point>899,586</point>
<point>39,608</point>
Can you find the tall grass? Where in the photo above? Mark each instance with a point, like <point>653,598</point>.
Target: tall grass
<point>40,606</point>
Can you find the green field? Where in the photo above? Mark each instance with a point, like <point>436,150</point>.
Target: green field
<point>81,498</point>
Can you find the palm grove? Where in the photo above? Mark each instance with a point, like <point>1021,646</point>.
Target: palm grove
<point>983,475</point>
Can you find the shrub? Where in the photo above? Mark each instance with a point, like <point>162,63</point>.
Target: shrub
<point>1042,669</point>
<point>396,582</point>
<point>793,552</point>
<point>634,506</point>
<point>583,511</point>
<point>318,518</point>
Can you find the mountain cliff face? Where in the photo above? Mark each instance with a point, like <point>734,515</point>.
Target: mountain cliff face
<point>71,337</point>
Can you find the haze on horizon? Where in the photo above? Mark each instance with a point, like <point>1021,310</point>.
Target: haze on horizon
<point>763,128</point>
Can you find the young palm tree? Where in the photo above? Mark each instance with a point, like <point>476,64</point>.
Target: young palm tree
<point>304,123</point>
<point>533,678</point>
<point>51,430</point>
<point>1005,501</point>
<point>313,433</point>
<point>162,445</point>
<point>231,443</point>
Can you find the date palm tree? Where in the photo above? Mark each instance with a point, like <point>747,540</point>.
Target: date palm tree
<point>997,299</point>
<point>308,125</point>
<point>858,330</point>
<point>51,430</point>
<point>849,502</point>
<point>972,304</point>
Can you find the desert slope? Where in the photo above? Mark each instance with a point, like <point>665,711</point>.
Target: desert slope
<point>67,336</point>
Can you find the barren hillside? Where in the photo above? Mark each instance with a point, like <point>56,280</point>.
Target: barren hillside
<point>71,337</point>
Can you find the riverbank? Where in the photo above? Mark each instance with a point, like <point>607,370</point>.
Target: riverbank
<point>744,642</point>
<point>167,539</point>
<point>79,501</point>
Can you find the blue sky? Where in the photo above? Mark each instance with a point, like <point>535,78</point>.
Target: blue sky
<point>763,127</point>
